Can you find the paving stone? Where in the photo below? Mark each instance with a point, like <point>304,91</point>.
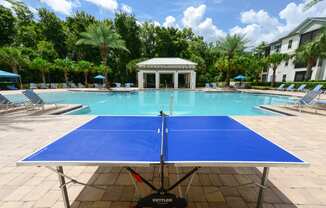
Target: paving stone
<point>212,194</point>
<point>236,202</point>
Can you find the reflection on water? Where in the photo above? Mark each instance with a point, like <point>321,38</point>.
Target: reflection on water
<point>152,101</point>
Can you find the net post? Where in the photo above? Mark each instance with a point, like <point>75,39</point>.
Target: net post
<point>264,179</point>
<point>63,187</point>
<point>162,152</point>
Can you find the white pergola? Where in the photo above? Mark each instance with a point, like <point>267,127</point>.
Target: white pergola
<point>173,66</point>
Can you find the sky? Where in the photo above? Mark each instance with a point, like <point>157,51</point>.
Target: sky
<point>257,20</point>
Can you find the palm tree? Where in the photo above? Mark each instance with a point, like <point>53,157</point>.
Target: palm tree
<point>66,65</point>
<point>309,53</point>
<point>41,65</point>
<point>85,67</point>
<point>230,46</point>
<point>103,36</point>
<point>13,58</point>
<point>311,3</point>
<point>273,61</point>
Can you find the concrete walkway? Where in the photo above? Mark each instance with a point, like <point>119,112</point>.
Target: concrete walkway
<point>212,187</point>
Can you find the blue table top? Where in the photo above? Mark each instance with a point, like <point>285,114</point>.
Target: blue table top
<point>189,141</point>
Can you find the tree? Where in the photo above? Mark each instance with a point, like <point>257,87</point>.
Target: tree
<point>273,61</point>
<point>230,46</point>
<point>51,28</point>
<point>75,25</point>
<point>13,58</point>
<point>148,40</point>
<point>85,67</point>
<point>308,54</point>
<point>7,26</point>
<point>46,50</point>
<point>104,37</point>
<point>66,65</point>
<point>42,66</point>
<point>128,29</point>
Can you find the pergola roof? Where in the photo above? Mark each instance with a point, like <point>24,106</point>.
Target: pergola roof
<point>167,63</point>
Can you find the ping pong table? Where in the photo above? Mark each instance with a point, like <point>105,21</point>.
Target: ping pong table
<point>181,141</point>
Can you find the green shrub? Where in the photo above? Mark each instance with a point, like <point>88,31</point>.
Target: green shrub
<point>310,84</point>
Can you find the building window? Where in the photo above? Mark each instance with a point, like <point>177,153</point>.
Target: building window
<point>299,76</point>
<point>284,78</point>
<point>307,37</point>
<point>290,44</point>
<point>286,62</point>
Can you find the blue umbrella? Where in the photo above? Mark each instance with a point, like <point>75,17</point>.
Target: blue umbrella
<point>99,77</point>
<point>240,77</point>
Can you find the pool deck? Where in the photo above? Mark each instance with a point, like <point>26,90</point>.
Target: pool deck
<point>27,187</point>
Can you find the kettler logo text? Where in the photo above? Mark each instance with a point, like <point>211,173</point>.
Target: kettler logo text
<point>160,200</point>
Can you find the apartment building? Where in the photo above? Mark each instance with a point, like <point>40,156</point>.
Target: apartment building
<point>291,70</point>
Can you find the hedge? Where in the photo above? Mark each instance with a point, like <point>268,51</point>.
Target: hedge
<point>309,84</point>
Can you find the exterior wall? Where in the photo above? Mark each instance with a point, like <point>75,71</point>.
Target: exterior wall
<point>319,72</point>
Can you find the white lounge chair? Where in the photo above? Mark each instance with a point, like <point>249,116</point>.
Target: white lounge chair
<point>43,86</point>
<point>117,84</point>
<point>32,86</point>
<point>213,85</point>
<point>80,85</point>
<point>73,85</point>
<point>309,99</point>
<point>35,99</point>
<point>6,103</point>
<point>318,88</point>
<point>290,88</point>
<point>207,85</point>
<point>301,88</point>
<point>64,85</point>
<point>281,87</point>
<point>53,85</point>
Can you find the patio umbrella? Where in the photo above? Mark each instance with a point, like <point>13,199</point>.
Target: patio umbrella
<point>99,77</point>
<point>240,77</point>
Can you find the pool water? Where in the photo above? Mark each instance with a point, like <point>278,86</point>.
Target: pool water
<point>178,102</point>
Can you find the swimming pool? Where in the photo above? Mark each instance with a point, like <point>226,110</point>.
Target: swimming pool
<point>180,102</point>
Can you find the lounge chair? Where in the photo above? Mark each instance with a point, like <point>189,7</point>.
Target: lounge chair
<point>309,99</point>
<point>53,85</point>
<point>11,87</point>
<point>43,86</point>
<point>72,85</point>
<point>207,85</point>
<point>64,85</point>
<point>301,88</point>
<point>5,102</point>
<point>128,85</point>
<point>32,86</point>
<point>80,85</point>
<point>117,84</point>
<point>290,88</point>
<point>318,88</point>
<point>281,87</point>
<point>35,99</point>
<point>213,85</point>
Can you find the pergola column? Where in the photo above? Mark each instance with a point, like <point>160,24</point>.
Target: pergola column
<point>157,80</point>
<point>140,80</point>
<point>176,80</point>
<point>193,80</point>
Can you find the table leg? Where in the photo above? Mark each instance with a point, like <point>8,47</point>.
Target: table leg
<point>63,187</point>
<point>264,179</point>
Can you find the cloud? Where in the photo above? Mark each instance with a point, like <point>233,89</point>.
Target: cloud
<point>110,5</point>
<point>170,21</point>
<point>193,17</point>
<point>126,8</point>
<point>6,4</point>
<point>60,6</point>
<point>260,26</point>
